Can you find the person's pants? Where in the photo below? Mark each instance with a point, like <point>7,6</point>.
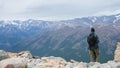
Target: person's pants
<point>94,55</point>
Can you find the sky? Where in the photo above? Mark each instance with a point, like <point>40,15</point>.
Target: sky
<point>56,9</point>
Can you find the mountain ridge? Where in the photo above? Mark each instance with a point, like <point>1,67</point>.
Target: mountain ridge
<point>55,36</point>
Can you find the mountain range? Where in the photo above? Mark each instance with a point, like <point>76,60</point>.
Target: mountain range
<point>65,38</point>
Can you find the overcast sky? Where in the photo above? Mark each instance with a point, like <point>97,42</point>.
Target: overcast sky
<point>56,9</point>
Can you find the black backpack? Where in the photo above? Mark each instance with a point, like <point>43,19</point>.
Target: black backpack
<point>92,39</point>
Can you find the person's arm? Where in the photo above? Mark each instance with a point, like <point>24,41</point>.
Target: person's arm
<point>97,39</point>
<point>88,42</point>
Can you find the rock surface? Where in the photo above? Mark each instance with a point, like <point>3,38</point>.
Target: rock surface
<point>117,53</point>
<point>3,55</point>
<point>25,54</point>
<point>14,63</point>
<point>26,60</point>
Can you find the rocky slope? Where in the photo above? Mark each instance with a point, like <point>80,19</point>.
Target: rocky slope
<point>26,60</point>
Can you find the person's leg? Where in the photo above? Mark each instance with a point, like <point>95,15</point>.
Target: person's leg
<point>97,55</point>
<point>92,56</point>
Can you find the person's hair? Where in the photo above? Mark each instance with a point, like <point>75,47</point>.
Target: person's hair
<point>92,29</point>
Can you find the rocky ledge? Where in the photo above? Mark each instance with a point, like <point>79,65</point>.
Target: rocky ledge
<point>26,60</point>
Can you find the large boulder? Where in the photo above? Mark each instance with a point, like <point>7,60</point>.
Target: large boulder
<point>47,62</point>
<point>117,53</point>
<point>3,55</point>
<point>11,55</point>
<point>26,60</point>
<point>109,64</point>
<point>14,63</point>
<point>25,54</point>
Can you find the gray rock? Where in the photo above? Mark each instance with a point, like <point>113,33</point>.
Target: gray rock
<point>114,64</point>
<point>14,63</point>
<point>26,60</point>
<point>25,54</point>
<point>117,53</point>
<point>3,55</point>
<point>33,63</point>
<point>93,65</point>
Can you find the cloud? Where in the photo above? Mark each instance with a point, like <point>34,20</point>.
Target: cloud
<point>14,6</point>
<point>112,12</point>
<point>56,9</point>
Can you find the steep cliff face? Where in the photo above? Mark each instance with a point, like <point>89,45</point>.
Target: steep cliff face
<point>26,60</point>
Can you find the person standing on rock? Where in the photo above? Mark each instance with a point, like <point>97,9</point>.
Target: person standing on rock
<point>93,41</point>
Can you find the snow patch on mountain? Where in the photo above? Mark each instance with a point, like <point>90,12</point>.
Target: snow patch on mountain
<point>94,19</point>
<point>81,22</point>
<point>117,18</point>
